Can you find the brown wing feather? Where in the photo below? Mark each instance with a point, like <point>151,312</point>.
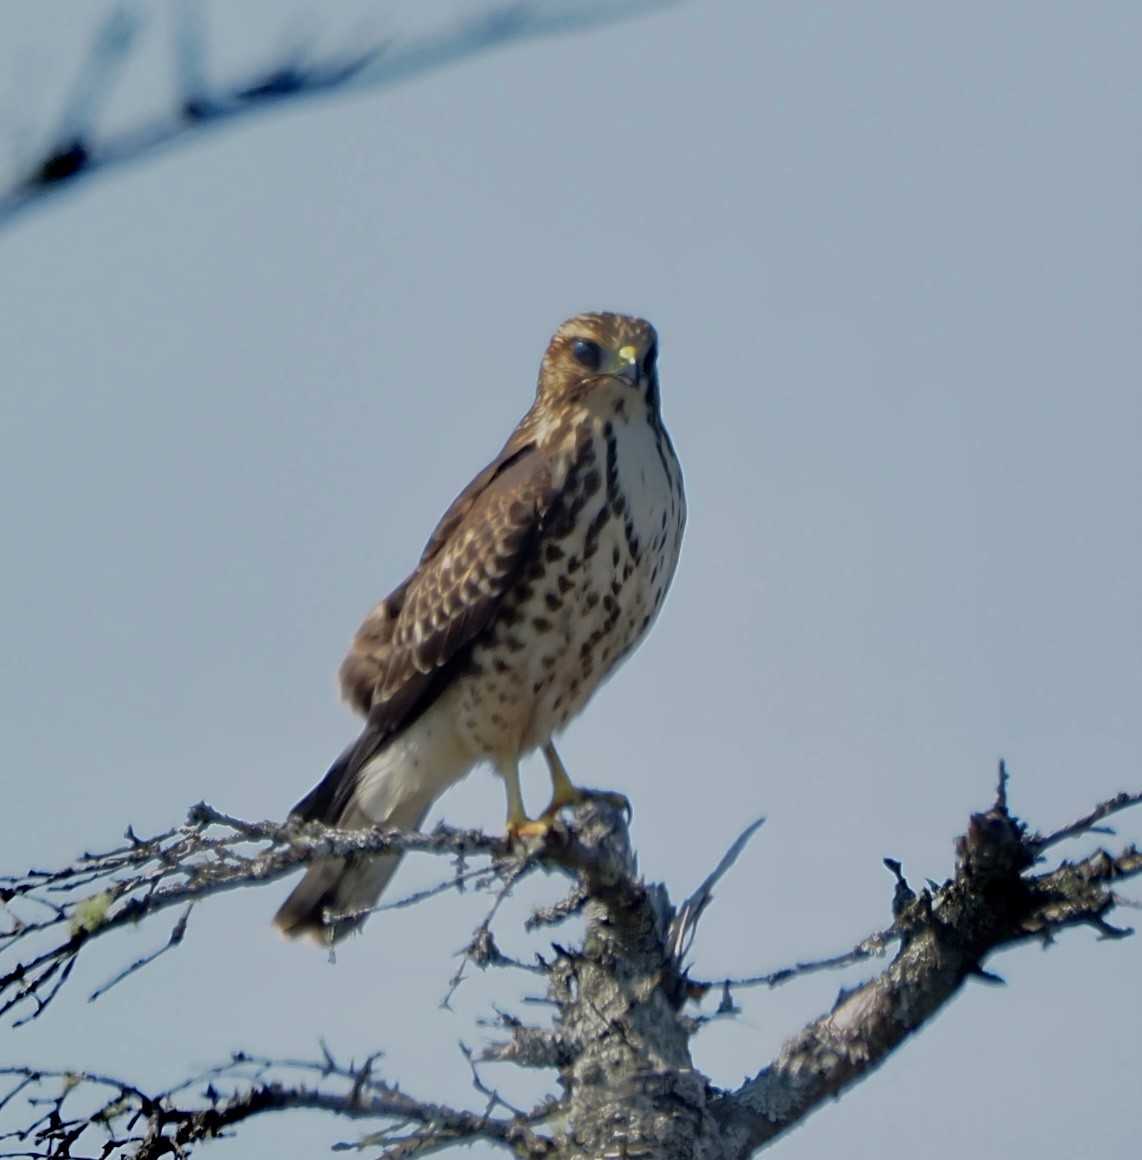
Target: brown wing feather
<point>414,642</point>
<point>398,660</point>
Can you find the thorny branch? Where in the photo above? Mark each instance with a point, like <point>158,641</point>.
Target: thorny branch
<point>211,853</point>
<point>618,1037</point>
<point>82,1110</point>
<point>76,149</point>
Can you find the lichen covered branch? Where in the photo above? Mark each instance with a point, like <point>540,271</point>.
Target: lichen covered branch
<point>47,917</point>
<point>618,1037</point>
<point>946,936</point>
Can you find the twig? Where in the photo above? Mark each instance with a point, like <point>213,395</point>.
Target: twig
<point>685,924</point>
<point>873,946</point>
<point>1088,823</point>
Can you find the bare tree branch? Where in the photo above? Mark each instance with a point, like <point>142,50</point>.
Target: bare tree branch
<point>76,150</point>
<point>53,915</point>
<point>619,1038</point>
<point>946,935</point>
<point>82,1110</point>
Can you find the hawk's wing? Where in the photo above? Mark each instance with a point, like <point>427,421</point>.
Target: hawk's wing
<point>414,642</point>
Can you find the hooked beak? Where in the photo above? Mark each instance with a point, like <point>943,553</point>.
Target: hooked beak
<point>627,368</point>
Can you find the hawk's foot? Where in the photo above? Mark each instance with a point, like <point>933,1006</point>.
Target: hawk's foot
<point>565,793</point>
<point>520,829</point>
<point>616,801</point>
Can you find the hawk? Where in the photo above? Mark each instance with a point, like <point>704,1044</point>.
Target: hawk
<point>540,579</point>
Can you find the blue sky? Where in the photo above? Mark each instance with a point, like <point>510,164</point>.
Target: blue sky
<point>893,254</point>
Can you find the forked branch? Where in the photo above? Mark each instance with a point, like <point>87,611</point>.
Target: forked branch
<point>619,1038</point>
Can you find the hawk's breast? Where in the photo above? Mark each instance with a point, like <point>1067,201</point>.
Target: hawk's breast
<point>602,564</point>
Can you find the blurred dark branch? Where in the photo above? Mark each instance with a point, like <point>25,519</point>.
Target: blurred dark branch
<point>76,149</point>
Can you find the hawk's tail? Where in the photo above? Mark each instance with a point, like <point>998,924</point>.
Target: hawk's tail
<point>367,786</point>
<point>334,898</point>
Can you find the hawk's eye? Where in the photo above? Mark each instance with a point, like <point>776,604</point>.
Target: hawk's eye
<point>587,353</point>
<point>650,359</point>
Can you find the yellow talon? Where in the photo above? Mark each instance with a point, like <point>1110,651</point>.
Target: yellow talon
<point>524,828</point>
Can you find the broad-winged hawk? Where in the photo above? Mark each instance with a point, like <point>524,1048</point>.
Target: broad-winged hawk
<point>543,575</point>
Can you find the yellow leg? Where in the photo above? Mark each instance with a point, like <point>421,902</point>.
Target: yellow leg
<point>519,824</point>
<point>565,793</point>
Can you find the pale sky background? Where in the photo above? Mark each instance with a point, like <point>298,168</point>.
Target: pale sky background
<point>894,253</point>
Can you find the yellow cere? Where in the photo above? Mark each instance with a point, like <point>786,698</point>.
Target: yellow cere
<point>628,353</point>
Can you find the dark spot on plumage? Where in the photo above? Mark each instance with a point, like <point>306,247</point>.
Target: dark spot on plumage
<point>497,719</point>
<point>500,665</point>
<point>585,649</point>
<point>541,624</point>
<point>614,491</point>
<point>552,553</point>
<point>592,481</point>
<point>524,592</point>
<point>616,588</point>
<point>513,643</point>
<point>661,443</point>
<point>631,539</point>
<point>475,668</point>
<point>608,602</point>
<point>594,529</point>
<point>573,565</point>
<point>552,601</point>
<point>565,519</point>
<point>621,407</point>
<point>535,570</point>
<point>590,600</point>
<point>565,585</point>
<point>557,704</point>
<point>509,614</point>
<point>628,570</point>
<point>616,555</point>
<point>561,523</point>
<point>548,661</point>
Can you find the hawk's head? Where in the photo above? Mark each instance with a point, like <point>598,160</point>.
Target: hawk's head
<point>593,351</point>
